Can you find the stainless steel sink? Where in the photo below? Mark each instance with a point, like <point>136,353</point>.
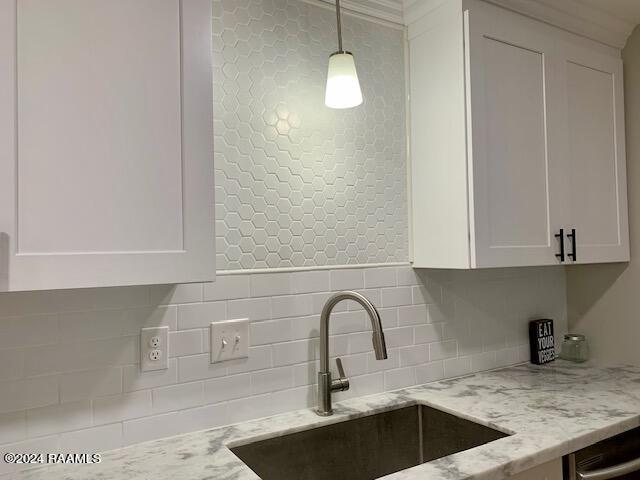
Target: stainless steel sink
<point>365,448</point>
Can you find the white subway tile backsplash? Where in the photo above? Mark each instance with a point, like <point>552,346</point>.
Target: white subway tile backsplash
<point>80,326</point>
<point>185,342</point>
<point>80,382</point>
<point>11,364</point>
<point>442,350</point>
<point>305,373</point>
<point>90,384</point>
<point>201,418</point>
<point>198,367</point>
<point>94,439</point>
<point>227,287</point>
<point>116,408</point>
<point>270,284</point>
<point>507,356</point>
<point>305,327</point>
<point>412,315</point>
<point>422,294</point>
<point>413,355</point>
<point>430,372</point>
<point>347,322</point>
<point>251,308</point>
<point>148,428</point>
<point>38,445</point>
<point>392,361</point>
<point>292,306</point>
<point>43,360</point>
<point>294,399</point>
<point>13,426</point>
<point>28,393</point>
<point>319,300</point>
<point>347,279</point>
<point>397,337</point>
<point>483,361</point>
<point>200,315</point>
<point>389,317</point>
<point>250,407</point>
<point>175,294</point>
<point>259,359</point>
<point>354,365</point>
<point>99,353</point>
<point>290,353</point>
<point>134,379</point>
<point>120,297</point>
<point>138,318</point>
<point>339,345</point>
<point>360,342</point>
<point>177,397</point>
<point>372,294</point>
<point>407,276</point>
<point>439,313</point>
<point>267,332</point>
<point>310,281</point>
<point>428,333</point>
<point>400,378</point>
<point>380,277</point>
<point>271,380</point>
<point>58,418</point>
<point>227,388</point>
<point>365,385</point>
<point>394,297</point>
<point>28,331</point>
<point>456,367</point>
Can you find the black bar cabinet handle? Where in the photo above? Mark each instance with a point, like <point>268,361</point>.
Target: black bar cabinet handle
<point>560,236</point>
<point>572,236</point>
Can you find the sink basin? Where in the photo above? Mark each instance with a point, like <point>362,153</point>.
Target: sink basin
<point>365,448</point>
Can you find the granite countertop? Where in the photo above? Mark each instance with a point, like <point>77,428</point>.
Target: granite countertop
<point>551,411</point>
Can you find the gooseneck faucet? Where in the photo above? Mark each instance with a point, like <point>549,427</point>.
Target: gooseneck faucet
<point>325,385</point>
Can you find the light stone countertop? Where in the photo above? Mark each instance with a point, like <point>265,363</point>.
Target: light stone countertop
<point>551,410</point>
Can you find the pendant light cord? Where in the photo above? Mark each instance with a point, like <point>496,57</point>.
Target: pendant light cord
<point>339,26</point>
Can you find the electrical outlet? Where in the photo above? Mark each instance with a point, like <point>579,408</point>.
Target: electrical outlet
<point>229,340</point>
<point>154,348</point>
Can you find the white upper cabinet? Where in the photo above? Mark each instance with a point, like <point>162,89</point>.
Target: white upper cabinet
<point>593,123</point>
<point>517,134</point>
<point>511,111</point>
<point>106,158</point>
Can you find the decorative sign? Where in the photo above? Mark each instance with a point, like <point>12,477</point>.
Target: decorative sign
<point>542,341</point>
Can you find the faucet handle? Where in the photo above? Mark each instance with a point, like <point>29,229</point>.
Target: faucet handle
<point>340,368</point>
<point>342,383</point>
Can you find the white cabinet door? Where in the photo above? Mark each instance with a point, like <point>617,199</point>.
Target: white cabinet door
<point>594,159</point>
<point>512,109</point>
<point>106,163</point>
<point>548,471</point>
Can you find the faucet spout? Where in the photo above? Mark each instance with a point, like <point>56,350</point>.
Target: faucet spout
<point>379,345</point>
<point>325,384</point>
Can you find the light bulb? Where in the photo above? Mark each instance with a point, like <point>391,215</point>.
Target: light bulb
<point>343,87</point>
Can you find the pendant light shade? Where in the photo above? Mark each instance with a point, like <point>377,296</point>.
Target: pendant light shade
<point>343,87</point>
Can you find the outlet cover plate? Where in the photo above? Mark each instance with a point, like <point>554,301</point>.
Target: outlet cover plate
<point>148,338</point>
<point>229,340</point>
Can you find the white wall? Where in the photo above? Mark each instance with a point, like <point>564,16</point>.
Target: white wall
<point>603,300</point>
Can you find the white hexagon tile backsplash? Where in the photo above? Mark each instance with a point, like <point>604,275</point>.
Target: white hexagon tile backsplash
<point>299,184</point>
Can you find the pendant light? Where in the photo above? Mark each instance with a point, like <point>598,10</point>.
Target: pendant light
<point>343,88</point>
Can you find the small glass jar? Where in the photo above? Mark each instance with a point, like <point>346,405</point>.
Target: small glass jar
<point>575,348</point>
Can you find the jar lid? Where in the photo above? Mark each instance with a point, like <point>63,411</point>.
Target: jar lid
<point>574,337</point>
